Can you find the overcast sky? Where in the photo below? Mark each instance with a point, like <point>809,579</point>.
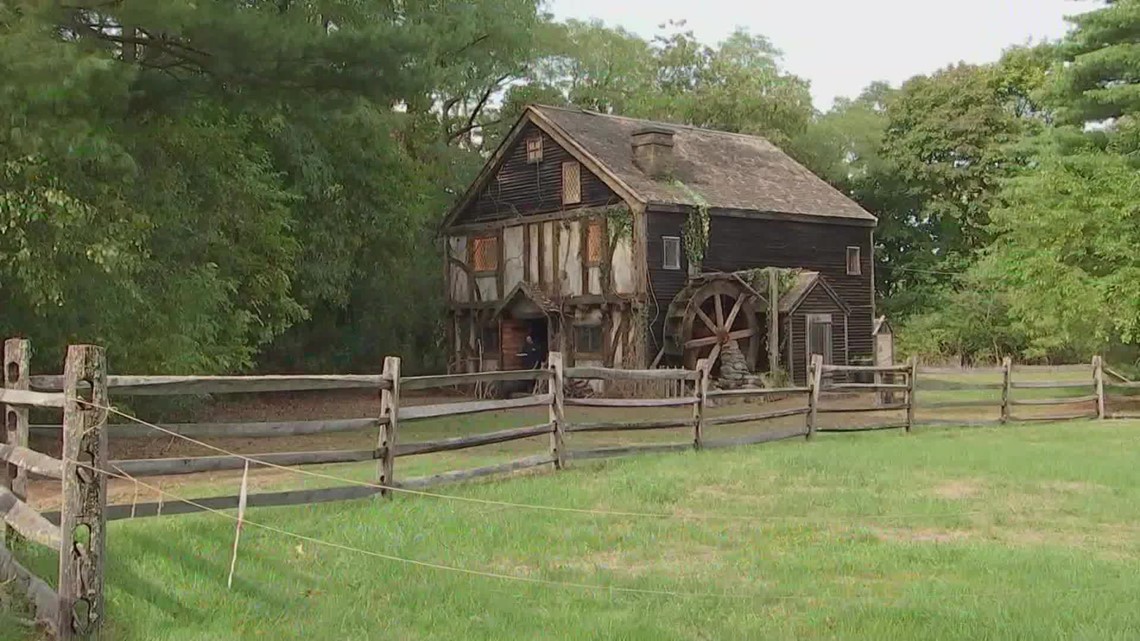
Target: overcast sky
<point>843,45</point>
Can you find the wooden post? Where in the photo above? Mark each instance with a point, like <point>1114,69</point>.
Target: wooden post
<point>17,356</point>
<point>702,390</point>
<point>1098,380</point>
<point>83,516</point>
<point>815,381</point>
<point>773,321</point>
<point>557,410</point>
<point>390,417</point>
<point>1006,382</point>
<point>910,386</point>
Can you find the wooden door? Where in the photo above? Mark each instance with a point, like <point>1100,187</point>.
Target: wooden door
<point>512,339</point>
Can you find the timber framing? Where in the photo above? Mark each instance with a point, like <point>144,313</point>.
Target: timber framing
<point>672,208</point>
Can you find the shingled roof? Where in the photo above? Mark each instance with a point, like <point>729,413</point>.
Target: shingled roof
<point>727,170</point>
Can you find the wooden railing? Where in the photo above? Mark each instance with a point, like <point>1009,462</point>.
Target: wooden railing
<point>84,393</point>
<point>74,609</point>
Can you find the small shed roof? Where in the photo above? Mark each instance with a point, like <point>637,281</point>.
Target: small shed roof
<point>804,284</point>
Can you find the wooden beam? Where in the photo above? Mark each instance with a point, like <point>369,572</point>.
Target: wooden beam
<point>27,522</point>
<point>815,379</point>
<point>761,416</point>
<point>630,426</point>
<point>44,599</point>
<point>26,398</point>
<point>471,407</point>
<point>713,340</point>
<point>1053,385</point>
<point>1006,379</point>
<point>773,322</point>
<point>626,450</point>
<point>864,428</point>
<point>874,408</point>
<point>609,374</point>
<point>31,461</point>
<point>387,440</point>
<point>83,518</point>
<point>1098,381</point>
<point>754,439</point>
<point>15,431</point>
<point>1056,401</point>
<point>449,380</point>
<point>866,368</point>
<point>683,401</point>
<point>197,464</point>
<point>233,430</point>
<point>1055,417</point>
<point>758,391</point>
<point>474,440</point>
<point>175,385</point>
<point>556,411</point>
<point>172,507</point>
<point>478,472</point>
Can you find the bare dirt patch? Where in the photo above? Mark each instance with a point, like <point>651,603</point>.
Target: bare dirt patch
<point>920,535</point>
<point>958,489</point>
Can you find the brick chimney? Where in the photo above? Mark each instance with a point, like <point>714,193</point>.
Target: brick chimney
<point>653,151</point>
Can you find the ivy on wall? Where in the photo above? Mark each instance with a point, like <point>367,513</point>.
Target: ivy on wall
<point>695,231</point>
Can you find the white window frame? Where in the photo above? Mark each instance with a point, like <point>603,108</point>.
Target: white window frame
<point>821,319</point>
<point>858,271</point>
<point>665,241</point>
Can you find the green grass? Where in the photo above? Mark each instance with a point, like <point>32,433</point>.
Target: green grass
<point>1026,532</point>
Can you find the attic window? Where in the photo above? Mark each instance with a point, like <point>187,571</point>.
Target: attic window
<point>588,340</point>
<point>671,252</point>
<point>594,243</point>
<point>485,254</point>
<point>571,183</point>
<point>854,264</point>
<point>534,150</point>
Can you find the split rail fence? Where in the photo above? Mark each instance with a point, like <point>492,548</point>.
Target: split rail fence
<point>75,609</point>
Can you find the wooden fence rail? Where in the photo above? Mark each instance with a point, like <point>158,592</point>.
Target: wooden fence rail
<point>77,531</point>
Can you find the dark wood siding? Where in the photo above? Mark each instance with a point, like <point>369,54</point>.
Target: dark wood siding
<point>817,302</point>
<point>744,243</point>
<point>521,188</point>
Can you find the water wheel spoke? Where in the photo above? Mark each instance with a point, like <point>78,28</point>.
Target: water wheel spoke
<point>702,342</point>
<point>719,311</point>
<point>713,355</point>
<point>741,333</point>
<point>706,320</point>
<point>732,314</point>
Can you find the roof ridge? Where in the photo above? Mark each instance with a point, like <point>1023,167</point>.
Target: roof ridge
<point>591,112</point>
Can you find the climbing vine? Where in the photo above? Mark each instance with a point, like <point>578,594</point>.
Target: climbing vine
<point>695,232</point>
<point>758,279</point>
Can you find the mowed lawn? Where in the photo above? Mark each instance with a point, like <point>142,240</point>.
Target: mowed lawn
<point>1017,532</point>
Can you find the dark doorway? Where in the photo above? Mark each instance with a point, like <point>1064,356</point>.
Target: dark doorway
<point>517,353</point>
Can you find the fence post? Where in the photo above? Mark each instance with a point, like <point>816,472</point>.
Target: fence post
<point>557,410</point>
<point>1098,380</point>
<point>83,513</point>
<point>390,424</point>
<point>701,387</point>
<point>912,373</point>
<point>1006,382</point>
<point>815,381</point>
<point>17,356</point>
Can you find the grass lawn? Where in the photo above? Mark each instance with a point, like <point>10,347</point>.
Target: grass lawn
<point>1020,532</point>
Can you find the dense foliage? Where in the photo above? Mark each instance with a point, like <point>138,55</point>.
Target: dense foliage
<point>217,186</point>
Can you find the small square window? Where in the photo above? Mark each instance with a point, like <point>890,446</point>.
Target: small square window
<point>534,150</point>
<point>854,264</point>
<point>594,244</point>
<point>671,251</point>
<point>588,339</point>
<point>485,254</point>
<point>571,183</point>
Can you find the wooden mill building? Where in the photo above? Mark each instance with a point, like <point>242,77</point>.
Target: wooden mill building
<point>575,233</point>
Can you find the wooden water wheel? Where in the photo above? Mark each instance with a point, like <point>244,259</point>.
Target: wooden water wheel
<point>709,312</point>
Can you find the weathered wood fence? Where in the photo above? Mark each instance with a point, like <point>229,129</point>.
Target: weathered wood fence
<point>75,610</point>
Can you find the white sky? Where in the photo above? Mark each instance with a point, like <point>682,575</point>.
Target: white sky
<point>842,46</point>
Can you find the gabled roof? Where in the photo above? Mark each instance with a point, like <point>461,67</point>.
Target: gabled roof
<point>529,291</point>
<point>719,169</point>
<point>804,284</point>
<point>727,170</point>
